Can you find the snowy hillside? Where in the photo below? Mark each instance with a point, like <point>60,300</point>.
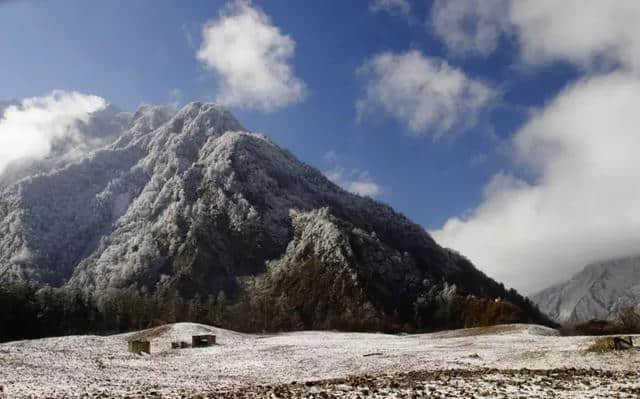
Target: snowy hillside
<point>482,363</point>
<point>593,293</point>
<point>189,201</point>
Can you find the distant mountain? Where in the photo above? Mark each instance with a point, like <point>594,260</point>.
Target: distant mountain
<point>593,293</point>
<point>190,202</point>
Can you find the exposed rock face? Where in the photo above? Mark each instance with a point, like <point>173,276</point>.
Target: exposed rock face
<point>594,293</point>
<point>190,201</point>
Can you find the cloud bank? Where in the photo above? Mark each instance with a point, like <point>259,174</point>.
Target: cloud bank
<point>584,32</point>
<point>583,205</point>
<point>28,130</point>
<point>426,94</point>
<point>251,58</point>
<point>580,201</point>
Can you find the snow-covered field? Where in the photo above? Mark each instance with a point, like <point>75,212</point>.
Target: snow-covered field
<point>526,360</point>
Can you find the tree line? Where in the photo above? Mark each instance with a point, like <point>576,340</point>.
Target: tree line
<point>28,312</point>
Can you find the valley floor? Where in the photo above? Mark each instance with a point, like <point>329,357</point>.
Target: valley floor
<point>502,361</point>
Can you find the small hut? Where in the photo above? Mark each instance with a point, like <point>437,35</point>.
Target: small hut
<point>201,341</point>
<point>139,347</point>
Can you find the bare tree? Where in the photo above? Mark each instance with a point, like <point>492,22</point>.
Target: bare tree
<point>628,318</point>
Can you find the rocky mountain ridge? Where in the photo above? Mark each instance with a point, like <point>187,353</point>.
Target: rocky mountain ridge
<point>190,201</point>
<point>596,292</point>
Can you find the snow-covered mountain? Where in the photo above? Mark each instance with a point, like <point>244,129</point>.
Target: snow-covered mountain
<point>594,293</point>
<point>190,201</point>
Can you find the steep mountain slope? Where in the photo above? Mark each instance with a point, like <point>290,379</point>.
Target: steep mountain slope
<point>593,293</point>
<point>192,202</point>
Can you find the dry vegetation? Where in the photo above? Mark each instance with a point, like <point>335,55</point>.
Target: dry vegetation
<point>602,344</point>
<point>625,321</point>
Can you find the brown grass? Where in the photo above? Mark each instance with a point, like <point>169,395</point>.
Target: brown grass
<point>149,333</point>
<point>475,331</point>
<point>602,344</point>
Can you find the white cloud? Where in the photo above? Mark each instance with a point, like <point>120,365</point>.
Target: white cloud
<point>354,181</point>
<point>426,94</point>
<point>583,204</point>
<point>176,97</point>
<point>187,29</point>
<point>584,32</point>
<point>393,7</point>
<point>469,25</point>
<point>29,129</point>
<point>251,58</point>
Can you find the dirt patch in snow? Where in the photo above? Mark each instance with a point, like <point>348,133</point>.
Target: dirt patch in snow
<point>462,383</point>
<point>150,333</point>
<point>498,330</point>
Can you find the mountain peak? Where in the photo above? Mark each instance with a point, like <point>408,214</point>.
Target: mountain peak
<point>592,293</point>
<point>208,115</point>
<point>188,201</point>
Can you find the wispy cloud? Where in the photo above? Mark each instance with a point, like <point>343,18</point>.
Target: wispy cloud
<point>426,94</point>
<point>176,97</point>
<point>187,29</point>
<point>393,7</point>
<point>353,180</point>
<point>470,25</point>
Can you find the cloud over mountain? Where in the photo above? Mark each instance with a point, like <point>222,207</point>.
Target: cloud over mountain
<point>582,204</point>
<point>354,181</point>
<point>569,198</point>
<point>251,58</point>
<point>29,129</point>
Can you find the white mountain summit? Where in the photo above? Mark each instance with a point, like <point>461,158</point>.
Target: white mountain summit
<point>593,293</point>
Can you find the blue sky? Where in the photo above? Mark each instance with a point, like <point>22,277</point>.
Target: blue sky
<point>134,52</point>
<point>131,53</point>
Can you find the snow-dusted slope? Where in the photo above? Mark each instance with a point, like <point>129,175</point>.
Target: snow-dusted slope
<point>101,367</point>
<point>128,213</point>
<point>192,201</point>
<point>594,292</point>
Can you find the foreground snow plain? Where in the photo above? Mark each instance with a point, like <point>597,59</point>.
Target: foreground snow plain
<point>501,361</point>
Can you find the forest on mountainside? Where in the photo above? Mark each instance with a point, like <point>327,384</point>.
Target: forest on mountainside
<point>29,312</point>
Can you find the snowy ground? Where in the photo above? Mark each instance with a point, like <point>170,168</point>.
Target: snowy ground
<point>514,360</point>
